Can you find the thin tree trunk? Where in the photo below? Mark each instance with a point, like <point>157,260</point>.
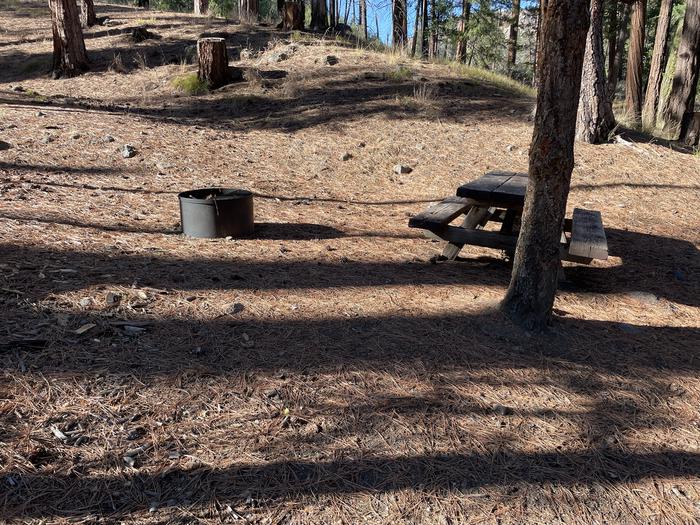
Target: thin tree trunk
<point>462,26</point>
<point>513,35</point>
<point>612,38</point>
<point>533,284</point>
<point>415,29</point>
<point>376,23</point>
<point>88,18</point>
<point>319,16</point>
<point>398,20</point>
<point>69,55</point>
<point>540,43</point>
<point>331,13</point>
<point>348,6</point>
<point>681,102</point>
<point>424,30</point>
<point>433,31</point>
<point>595,117</point>
<point>633,80</point>
<point>363,18</point>
<point>201,7</point>
<point>622,37</point>
<point>658,58</point>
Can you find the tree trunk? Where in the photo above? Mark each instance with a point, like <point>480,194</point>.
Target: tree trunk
<point>248,11</point>
<point>292,16</point>
<point>622,36</point>
<point>415,29</point>
<point>331,12</point>
<point>363,18</point>
<point>633,80</point>
<point>513,35</point>
<point>612,38</point>
<point>433,31</point>
<point>424,29</point>
<point>658,57</point>
<point>88,18</point>
<point>533,284</point>
<point>398,19</point>
<point>69,55</point>
<point>319,15</point>
<point>681,102</point>
<point>201,7</point>
<point>540,43</point>
<point>462,26</point>
<point>213,61</point>
<point>595,117</point>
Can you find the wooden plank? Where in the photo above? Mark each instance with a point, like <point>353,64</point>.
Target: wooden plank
<point>482,187</point>
<point>487,189</point>
<point>588,235</point>
<point>472,220</point>
<point>513,190</point>
<point>483,238</point>
<point>440,214</point>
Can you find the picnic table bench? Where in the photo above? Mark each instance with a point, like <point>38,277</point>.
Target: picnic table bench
<point>499,197</point>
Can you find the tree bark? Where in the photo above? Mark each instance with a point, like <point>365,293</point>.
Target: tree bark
<point>513,35</point>
<point>331,13</point>
<point>462,26</point>
<point>533,284</point>
<point>319,15</point>
<point>595,117</point>
<point>415,29</point>
<point>658,58</point>
<point>612,37</point>
<point>681,102</point>
<point>201,7</point>
<point>540,43</point>
<point>69,55</point>
<point>249,10</point>
<point>292,16</point>
<point>633,80</point>
<point>213,61</point>
<point>433,31</point>
<point>363,18</point>
<point>88,18</point>
<point>398,19</point>
<point>615,73</point>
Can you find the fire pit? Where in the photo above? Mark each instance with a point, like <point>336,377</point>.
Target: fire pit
<point>216,212</point>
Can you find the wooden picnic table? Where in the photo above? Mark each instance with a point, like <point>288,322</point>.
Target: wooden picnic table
<point>499,196</point>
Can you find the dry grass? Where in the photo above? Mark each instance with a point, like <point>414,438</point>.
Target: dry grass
<point>359,383</point>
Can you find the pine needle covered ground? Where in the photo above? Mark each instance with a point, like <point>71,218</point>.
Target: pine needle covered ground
<point>322,371</point>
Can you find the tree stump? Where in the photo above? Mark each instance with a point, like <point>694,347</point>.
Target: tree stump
<point>213,61</point>
<point>69,55</point>
<point>292,16</point>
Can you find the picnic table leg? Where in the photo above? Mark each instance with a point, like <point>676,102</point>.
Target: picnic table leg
<point>475,217</point>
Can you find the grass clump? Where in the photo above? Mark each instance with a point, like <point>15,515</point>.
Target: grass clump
<point>190,84</point>
<point>498,80</point>
<point>145,21</point>
<point>399,74</point>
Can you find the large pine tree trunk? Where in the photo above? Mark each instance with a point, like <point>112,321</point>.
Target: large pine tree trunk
<point>462,25</point>
<point>88,18</point>
<point>595,117</point>
<point>69,55</point>
<point>681,102</point>
<point>331,12</point>
<point>249,10</point>
<point>319,15</point>
<point>658,57</point>
<point>201,7</point>
<point>633,80</point>
<point>414,41</point>
<point>539,43</point>
<point>292,16</point>
<point>398,19</point>
<point>424,30</point>
<point>533,284</point>
<point>513,35</point>
<point>612,37</point>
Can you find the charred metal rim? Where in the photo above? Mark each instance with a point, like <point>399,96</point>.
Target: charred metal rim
<point>218,194</point>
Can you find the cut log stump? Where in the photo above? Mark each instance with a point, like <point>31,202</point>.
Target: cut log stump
<point>293,16</point>
<point>213,62</point>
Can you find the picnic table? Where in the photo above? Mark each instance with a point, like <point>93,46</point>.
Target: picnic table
<point>499,196</point>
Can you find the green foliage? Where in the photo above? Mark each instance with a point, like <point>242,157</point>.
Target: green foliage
<point>190,84</point>
<point>498,80</point>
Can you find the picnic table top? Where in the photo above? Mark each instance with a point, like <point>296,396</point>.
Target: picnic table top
<point>497,188</point>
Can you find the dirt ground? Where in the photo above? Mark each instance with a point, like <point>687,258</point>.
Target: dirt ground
<point>323,371</point>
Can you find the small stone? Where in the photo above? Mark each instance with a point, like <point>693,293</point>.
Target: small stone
<point>4,145</point>
<point>85,302</point>
<point>75,136</point>
<point>11,126</point>
<point>502,410</point>
<point>401,169</point>
<point>46,139</point>
<point>40,114</point>
<point>130,461</point>
<point>18,89</point>
<point>345,156</point>
<point>108,138</point>
<point>113,299</point>
<point>153,508</point>
<point>510,147</point>
<point>128,151</point>
<point>331,60</point>
<point>163,166</point>
<point>361,144</point>
<point>235,308</point>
